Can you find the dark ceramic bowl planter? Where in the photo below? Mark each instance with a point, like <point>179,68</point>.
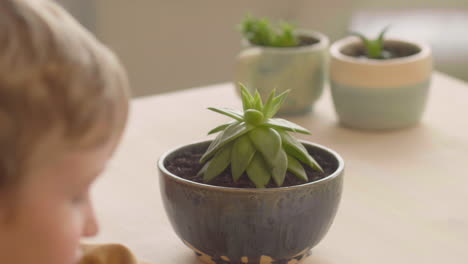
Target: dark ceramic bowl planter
<point>246,225</point>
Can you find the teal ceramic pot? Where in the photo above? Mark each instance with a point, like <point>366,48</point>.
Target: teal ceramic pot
<point>380,94</point>
<point>302,69</point>
<point>235,225</point>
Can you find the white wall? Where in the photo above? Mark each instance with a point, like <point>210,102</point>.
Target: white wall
<point>169,45</point>
<point>83,10</point>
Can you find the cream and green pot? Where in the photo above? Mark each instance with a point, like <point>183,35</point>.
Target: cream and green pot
<point>380,94</point>
<point>301,69</point>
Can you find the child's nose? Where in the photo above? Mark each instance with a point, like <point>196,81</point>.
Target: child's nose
<point>91,227</point>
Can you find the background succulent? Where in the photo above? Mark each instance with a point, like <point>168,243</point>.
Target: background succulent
<point>259,31</point>
<point>257,143</point>
<point>374,48</point>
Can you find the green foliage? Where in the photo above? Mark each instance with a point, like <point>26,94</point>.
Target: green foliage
<point>374,48</point>
<point>260,32</point>
<point>257,143</point>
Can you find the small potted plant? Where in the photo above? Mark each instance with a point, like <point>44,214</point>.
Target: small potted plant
<point>283,57</point>
<point>379,83</point>
<point>254,194</point>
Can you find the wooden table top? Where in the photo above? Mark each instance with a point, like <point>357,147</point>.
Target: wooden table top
<point>405,193</point>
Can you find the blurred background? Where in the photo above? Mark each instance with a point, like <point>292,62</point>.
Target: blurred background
<point>173,45</point>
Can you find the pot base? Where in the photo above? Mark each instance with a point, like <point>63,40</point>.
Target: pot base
<point>206,259</point>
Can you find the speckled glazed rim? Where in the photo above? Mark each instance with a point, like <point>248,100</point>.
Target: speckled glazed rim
<point>336,47</point>
<point>323,43</point>
<point>330,177</point>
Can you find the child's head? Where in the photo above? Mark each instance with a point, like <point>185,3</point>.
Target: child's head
<point>63,106</point>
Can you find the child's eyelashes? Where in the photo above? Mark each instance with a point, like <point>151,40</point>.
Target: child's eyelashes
<point>80,198</point>
<point>77,200</point>
<point>83,195</point>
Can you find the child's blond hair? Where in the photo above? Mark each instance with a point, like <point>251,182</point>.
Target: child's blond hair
<point>53,73</point>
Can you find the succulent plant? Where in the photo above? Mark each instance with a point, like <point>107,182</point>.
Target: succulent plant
<point>257,143</point>
<point>374,48</point>
<point>259,31</point>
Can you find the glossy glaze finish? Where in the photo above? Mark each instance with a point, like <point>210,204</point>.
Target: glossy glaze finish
<point>303,70</point>
<point>233,225</point>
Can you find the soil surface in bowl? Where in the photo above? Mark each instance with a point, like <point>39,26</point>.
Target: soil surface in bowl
<point>186,164</point>
<point>306,41</point>
<point>392,50</point>
<point>303,41</point>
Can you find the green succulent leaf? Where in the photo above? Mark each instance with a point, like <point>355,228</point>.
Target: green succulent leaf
<point>242,153</point>
<point>218,163</point>
<point>247,99</point>
<point>228,112</point>
<point>295,149</point>
<point>258,102</point>
<point>268,107</point>
<point>277,102</point>
<point>259,31</point>
<point>230,133</point>
<point>268,142</point>
<point>380,39</point>
<point>278,172</point>
<point>253,117</point>
<point>221,127</point>
<point>383,54</point>
<point>256,143</point>
<point>369,45</point>
<point>361,36</point>
<point>279,123</point>
<point>287,38</point>
<point>203,169</point>
<point>295,167</point>
<point>258,171</point>
<point>374,47</point>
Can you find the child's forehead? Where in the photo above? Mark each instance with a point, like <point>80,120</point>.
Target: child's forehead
<point>72,166</point>
<point>54,148</point>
